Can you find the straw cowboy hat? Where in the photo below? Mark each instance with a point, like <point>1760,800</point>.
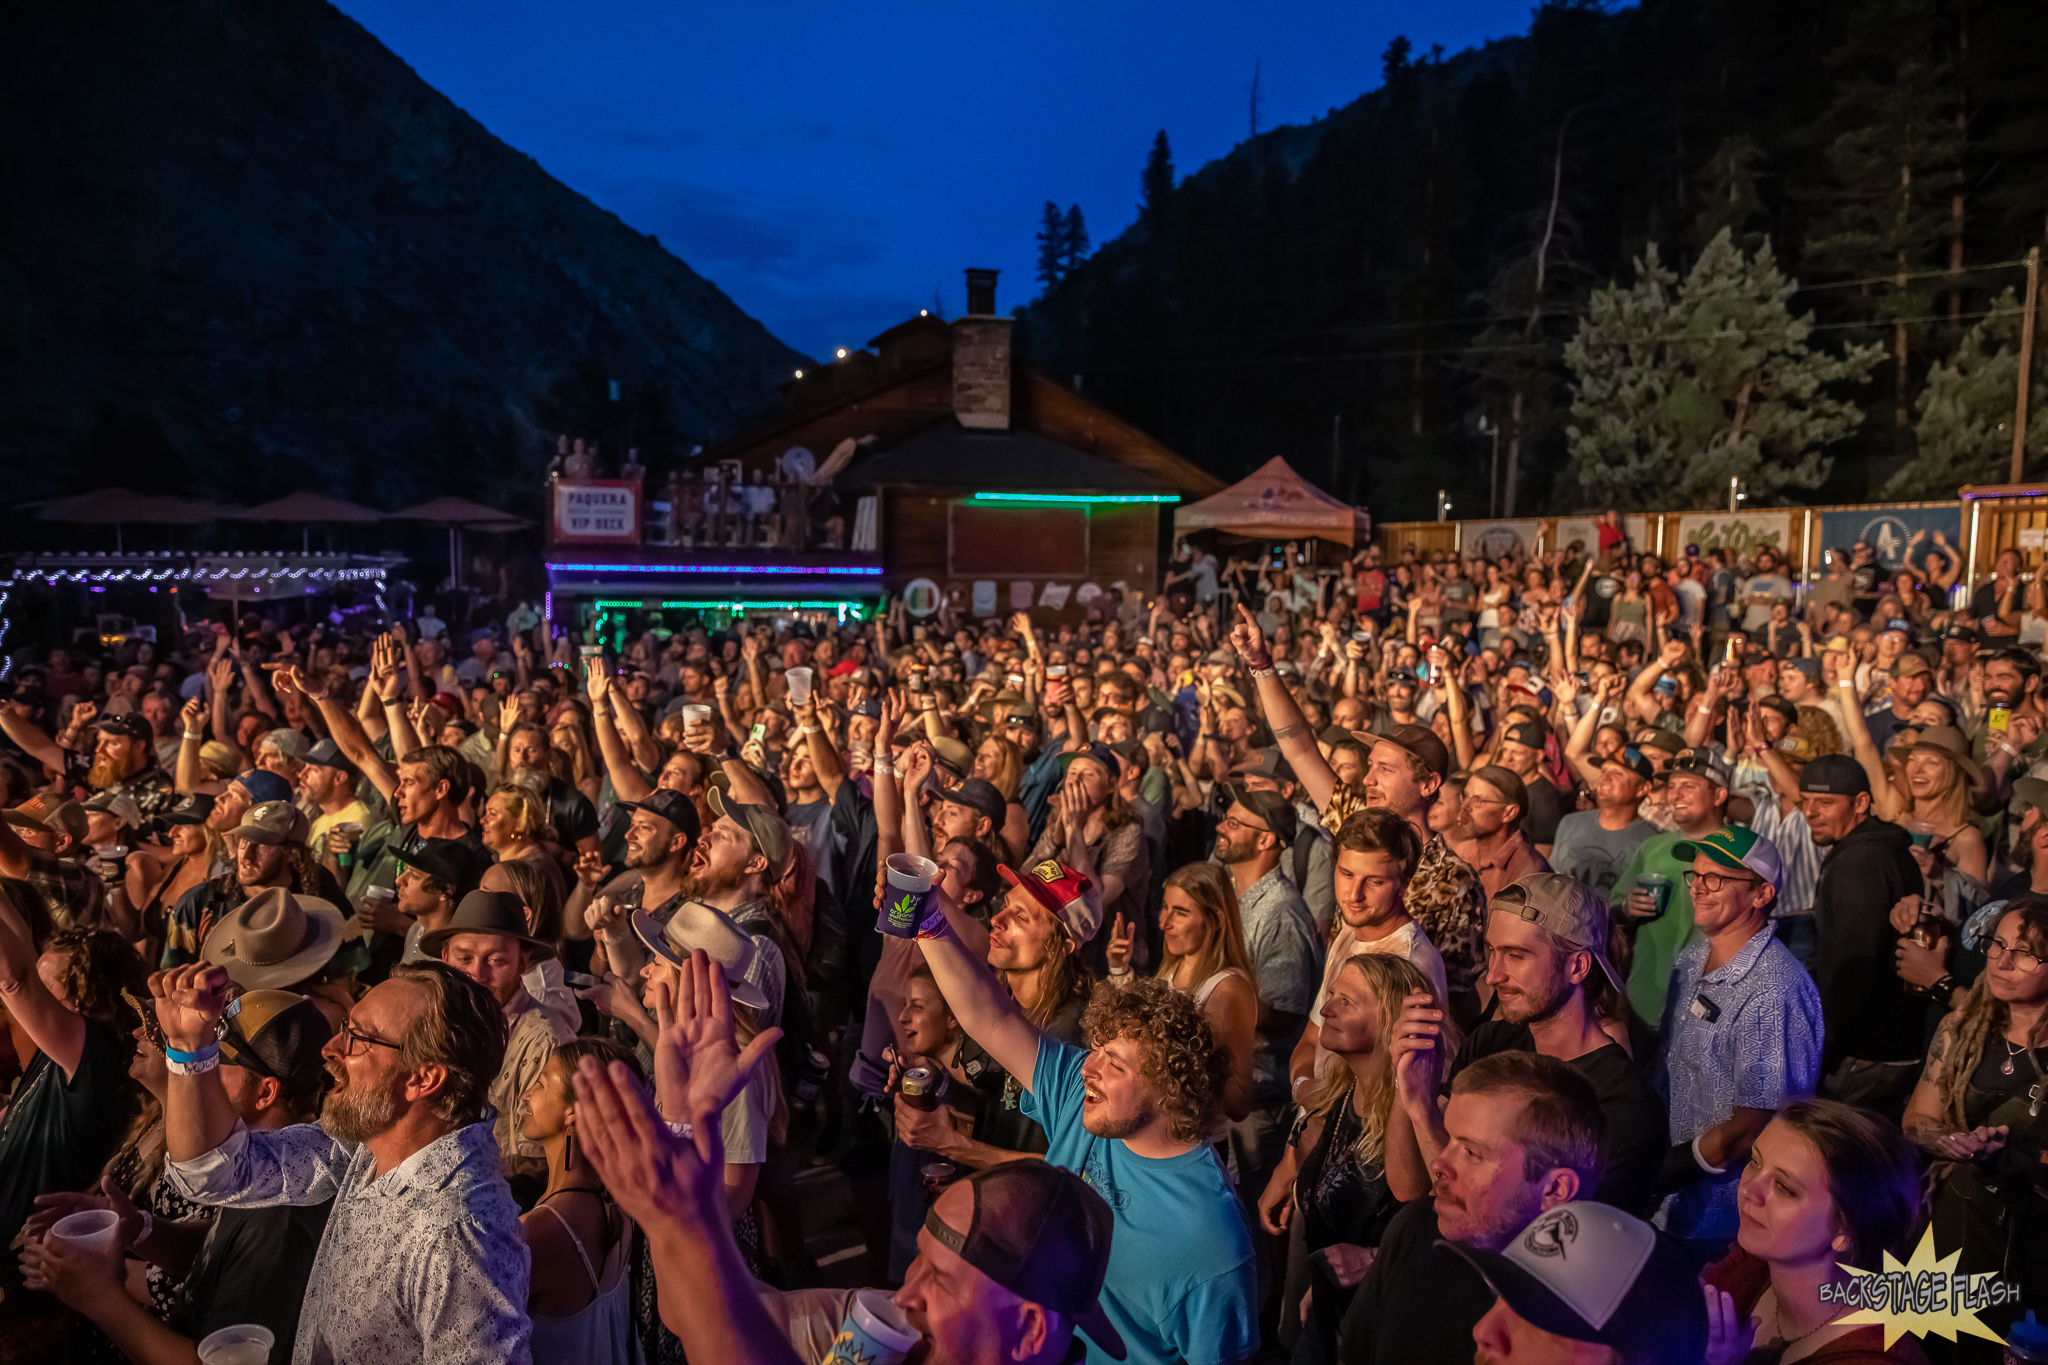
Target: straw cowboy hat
<point>274,939</point>
<point>696,925</point>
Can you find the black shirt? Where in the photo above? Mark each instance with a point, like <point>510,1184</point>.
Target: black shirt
<point>1418,1303</point>
<point>58,1134</point>
<point>571,813</point>
<point>1546,808</point>
<point>999,1121</point>
<point>253,1268</point>
<point>1638,1127</point>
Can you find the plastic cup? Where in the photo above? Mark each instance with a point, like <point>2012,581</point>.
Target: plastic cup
<point>244,1344</point>
<point>908,904</point>
<point>695,715</point>
<point>1659,887</point>
<point>92,1230</point>
<point>380,893</point>
<point>799,685</point>
<point>874,1332</point>
<point>935,1176</point>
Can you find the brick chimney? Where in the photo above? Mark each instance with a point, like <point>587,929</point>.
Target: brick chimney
<point>981,358</point>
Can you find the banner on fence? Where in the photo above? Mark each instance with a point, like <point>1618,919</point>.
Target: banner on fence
<point>1585,530</point>
<point>1890,531</point>
<point>1739,533</point>
<point>1494,539</point>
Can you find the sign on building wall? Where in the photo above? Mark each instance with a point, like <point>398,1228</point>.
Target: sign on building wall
<point>597,512</point>
<point>1740,534</point>
<point>1890,531</point>
<point>1493,539</point>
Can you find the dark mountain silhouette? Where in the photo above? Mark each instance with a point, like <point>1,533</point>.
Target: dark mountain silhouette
<point>244,249</point>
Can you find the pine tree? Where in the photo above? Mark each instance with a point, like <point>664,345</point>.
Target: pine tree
<point>1052,243</point>
<point>1073,241</point>
<point>1158,178</point>
<point>1965,411</point>
<point>1679,387</point>
<point>1893,154</point>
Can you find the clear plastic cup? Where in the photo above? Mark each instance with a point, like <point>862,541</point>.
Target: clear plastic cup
<point>244,1344</point>
<point>799,685</point>
<point>91,1230</point>
<point>695,715</point>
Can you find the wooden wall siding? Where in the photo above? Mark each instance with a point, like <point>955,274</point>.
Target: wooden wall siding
<point>1123,545</point>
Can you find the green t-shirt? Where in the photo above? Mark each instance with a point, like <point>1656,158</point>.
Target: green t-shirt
<point>1659,940</point>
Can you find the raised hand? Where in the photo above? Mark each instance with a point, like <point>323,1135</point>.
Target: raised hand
<point>915,767</point>
<point>193,713</point>
<point>597,678</point>
<point>694,1045</point>
<point>1730,1332</point>
<point>1117,951</point>
<point>1247,639</point>
<point>1417,1033</point>
<point>189,1001</point>
<point>895,710</point>
<point>654,1174</point>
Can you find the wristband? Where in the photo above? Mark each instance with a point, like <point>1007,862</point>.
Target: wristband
<point>207,1062</point>
<point>1710,1170</point>
<point>191,738</point>
<point>200,1054</point>
<point>1117,973</point>
<point>678,1127</point>
<point>1260,672</point>
<point>1264,661</point>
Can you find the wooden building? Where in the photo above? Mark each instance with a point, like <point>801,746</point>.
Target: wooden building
<point>989,482</point>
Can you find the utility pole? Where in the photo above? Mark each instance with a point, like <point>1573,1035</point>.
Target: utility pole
<point>2019,416</point>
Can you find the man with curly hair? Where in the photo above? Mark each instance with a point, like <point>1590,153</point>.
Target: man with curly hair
<point>1134,1116</point>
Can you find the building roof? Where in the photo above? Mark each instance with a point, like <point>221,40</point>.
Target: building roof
<point>948,454</point>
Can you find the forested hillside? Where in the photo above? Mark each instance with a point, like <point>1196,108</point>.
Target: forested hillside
<point>1385,296</point>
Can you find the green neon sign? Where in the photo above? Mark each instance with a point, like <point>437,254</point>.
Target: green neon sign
<point>1076,499</point>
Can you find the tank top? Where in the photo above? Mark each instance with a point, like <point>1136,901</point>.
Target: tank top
<point>602,1330</point>
<point>1208,988</point>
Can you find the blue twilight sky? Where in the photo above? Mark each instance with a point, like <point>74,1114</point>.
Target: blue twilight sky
<point>833,167</point>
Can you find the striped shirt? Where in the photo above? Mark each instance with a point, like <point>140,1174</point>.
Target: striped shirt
<point>1796,851</point>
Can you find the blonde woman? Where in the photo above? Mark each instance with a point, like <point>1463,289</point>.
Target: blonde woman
<point>1335,1170</point>
<point>1930,796</point>
<point>1204,955</point>
<point>514,826</point>
<point>568,736</point>
<point>1000,762</point>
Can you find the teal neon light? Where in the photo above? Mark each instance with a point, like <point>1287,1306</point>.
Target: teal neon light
<point>1072,499</point>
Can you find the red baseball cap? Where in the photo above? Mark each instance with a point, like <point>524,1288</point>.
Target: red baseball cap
<point>1072,898</point>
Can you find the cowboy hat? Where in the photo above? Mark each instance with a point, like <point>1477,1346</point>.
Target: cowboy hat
<point>697,925</point>
<point>274,939</point>
<point>488,912</point>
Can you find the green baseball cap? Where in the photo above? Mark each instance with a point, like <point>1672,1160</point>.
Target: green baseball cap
<point>1732,846</point>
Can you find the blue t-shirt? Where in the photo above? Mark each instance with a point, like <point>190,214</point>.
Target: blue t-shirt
<point>1182,1284</point>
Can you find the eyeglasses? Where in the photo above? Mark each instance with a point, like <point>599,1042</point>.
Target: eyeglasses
<point>2020,958</point>
<point>356,1036</point>
<point>1712,882</point>
<point>1233,822</point>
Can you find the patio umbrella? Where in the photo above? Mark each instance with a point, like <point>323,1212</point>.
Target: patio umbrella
<point>117,506</point>
<point>458,514</point>
<point>307,508</point>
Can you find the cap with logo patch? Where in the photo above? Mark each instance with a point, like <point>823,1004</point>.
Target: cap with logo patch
<point>118,804</point>
<point>1267,763</point>
<point>979,795</point>
<point>1702,763</point>
<point>130,726</point>
<point>273,822</point>
<point>1587,1272</point>
<point>53,814</point>
<point>1834,775</point>
<point>1734,847</point>
<point>1071,897</point>
<point>190,810</point>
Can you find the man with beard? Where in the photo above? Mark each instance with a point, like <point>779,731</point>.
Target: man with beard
<point>1490,834</point>
<point>523,759</point>
<point>1547,965</point>
<point>1132,1117</point>
<point>1403,773</point>
<point>270,850</point>
<point>423,1257</point>
<point>1399,708</point>
<point>124,764</point>
<point>1287,962</point>
<point>1593,844</point>
<point>1524,1134</point>
<point>252,788</point>
<point>249,1265</point>
<point>327,784</point>
<point>660,833</point>
<point>44,869</point>
<point>1698,793</point>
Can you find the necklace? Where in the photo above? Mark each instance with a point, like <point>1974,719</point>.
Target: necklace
<point>1778,1322</point>
<point>2011,1054</point>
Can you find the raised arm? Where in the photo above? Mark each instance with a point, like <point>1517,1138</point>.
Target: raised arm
<point>984,1009</point>
<point>629,783</point>
<point>50,1024</point>
<point>355,746</point>
<point>1887,803</point>
<point>1277,704</point>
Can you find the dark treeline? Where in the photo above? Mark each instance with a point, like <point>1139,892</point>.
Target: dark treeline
<point>1382,296</point>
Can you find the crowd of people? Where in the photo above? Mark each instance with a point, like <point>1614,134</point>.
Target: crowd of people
<point>1411,959</point>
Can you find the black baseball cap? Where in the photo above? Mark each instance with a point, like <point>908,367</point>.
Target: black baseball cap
<point>327,754</point>
<point>1587,1272</point>
<point>1276,810</point>
<point>672,806</point>
<point>1267,763</point>
<point>130,726</point>
<point>190,810</point>
<point>1096,752</point>
<point>1043,1234</point>
<point>1834,775</point>
<point>979,795</point>
<point>1630,757</point>
<point>447,860</point>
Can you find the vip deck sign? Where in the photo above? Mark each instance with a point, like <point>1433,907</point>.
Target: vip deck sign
<point>597,512</point>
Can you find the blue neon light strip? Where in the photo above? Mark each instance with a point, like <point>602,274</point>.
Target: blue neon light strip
<point>841,571</point>
<point>1077,497</point>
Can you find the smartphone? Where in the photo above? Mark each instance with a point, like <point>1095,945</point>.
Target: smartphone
<point>1422,670</point>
